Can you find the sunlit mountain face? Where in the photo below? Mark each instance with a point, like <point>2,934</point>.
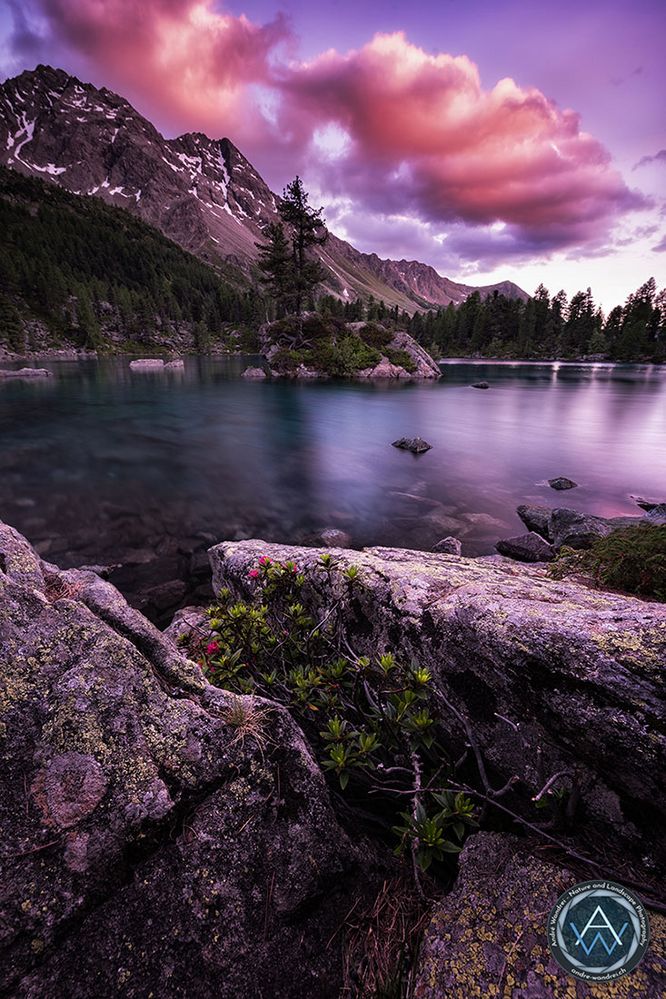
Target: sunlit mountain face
<point>491,141</point>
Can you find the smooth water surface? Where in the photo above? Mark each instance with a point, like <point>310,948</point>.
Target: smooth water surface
<point>100,464</point>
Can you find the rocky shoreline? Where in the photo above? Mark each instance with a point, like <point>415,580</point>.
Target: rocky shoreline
<point>150,848</point>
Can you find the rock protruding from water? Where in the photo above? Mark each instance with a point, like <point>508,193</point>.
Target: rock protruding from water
<point>448,546</point>
<point>254,374</point>
<point>536,518</point>
<point>561,483</point>
<point>414,444</point>
<point>527,548</point>
<point>25,373</point>
<point>577,530</point>
<point>151,844</point>
<point>657,515</point>
<point>177,364</point>
<point>480,385</point>
<point>551,675</point>
<point>488,936</point>
<point>147,364</point>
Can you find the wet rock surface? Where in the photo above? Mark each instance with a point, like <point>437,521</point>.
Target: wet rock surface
<point>487,938</point>
<point>527,548</point>
<point>149,845</point>
<point>414,444</point>
<point>561,483</point>
<point>448,546</point>
<point>552,676</point>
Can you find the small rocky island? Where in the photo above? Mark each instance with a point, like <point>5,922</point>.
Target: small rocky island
<point>317,346</point>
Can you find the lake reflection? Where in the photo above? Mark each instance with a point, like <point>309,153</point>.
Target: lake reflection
<point>99,462</point>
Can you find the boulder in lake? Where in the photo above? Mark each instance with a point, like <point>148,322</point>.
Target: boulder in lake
<point>480,385</point>
<point>448,546</point>
<point>527,548</point>
<point>332,537</point>
<point>254,374</point>
<point>414,444</point>
<point>147,364</point>
<point>536,518</point>
<point>561,483</point>
<point>657,515</point>
<point>646,504</point>
<point>575,529</point>
<point>25,373</point>
<point>178,364</point>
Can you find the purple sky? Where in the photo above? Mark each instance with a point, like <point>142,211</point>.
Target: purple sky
<point>395,115</point>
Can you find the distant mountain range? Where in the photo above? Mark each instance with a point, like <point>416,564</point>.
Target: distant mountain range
<point>200,192</point>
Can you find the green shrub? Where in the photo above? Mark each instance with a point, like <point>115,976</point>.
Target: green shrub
<point>368,719</point>
<point>401,358</point>
<point>375,335</point>
<point>285,360</point>
<point>632,559</point>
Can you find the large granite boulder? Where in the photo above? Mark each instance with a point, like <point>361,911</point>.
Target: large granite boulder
<point>160,837</point>
<point>550,676</point>
<point>536,518</point>
<point>527,548</point>
<point>575,529</point>
<point>488,936</point>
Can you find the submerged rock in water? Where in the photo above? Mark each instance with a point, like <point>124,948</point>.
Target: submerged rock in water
<point>574,670</point>
<point>150,848</point>
<point>448,546</point>
<point>25,373</point>
<point>527,548</point>
<point>333,537</point>
<point>562,483</point>
<point>147,364</point>
<point>491,931</point>
<point>254,374</point>
<point>414,444</point>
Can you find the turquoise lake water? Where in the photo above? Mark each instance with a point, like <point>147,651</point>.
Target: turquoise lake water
<point>98,461</point>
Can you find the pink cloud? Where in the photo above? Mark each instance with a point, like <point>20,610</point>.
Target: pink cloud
<point>186,62</point>
<point>425,137</point>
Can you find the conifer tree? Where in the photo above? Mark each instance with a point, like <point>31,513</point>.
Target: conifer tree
<point>308,230</point>
<point>277,266</point>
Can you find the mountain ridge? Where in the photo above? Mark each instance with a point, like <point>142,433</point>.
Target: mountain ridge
<point>202,193</point>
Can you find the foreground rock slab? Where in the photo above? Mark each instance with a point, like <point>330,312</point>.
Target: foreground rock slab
<point>488,937</point>
<point>160,837</point>
<point>147,364</point>
<point>551,676</point>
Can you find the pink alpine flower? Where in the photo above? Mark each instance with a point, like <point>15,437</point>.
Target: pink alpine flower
<point>212,648</point>
<point>264,560</point>
<point>253,573</point>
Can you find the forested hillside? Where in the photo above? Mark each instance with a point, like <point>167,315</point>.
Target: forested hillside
<point>96,276</point>
<point>545,327</point>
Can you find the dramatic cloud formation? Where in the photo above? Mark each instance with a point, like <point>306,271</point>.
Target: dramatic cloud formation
<point>408,141</point>
<point>424,137</point>
<point>189,63</point>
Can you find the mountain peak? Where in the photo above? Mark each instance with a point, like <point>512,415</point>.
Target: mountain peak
<point>201,192</point>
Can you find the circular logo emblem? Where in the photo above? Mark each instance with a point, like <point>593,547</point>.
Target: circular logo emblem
<point>598,931</point>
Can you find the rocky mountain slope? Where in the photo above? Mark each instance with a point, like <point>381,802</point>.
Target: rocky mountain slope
<point>202,193</point>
